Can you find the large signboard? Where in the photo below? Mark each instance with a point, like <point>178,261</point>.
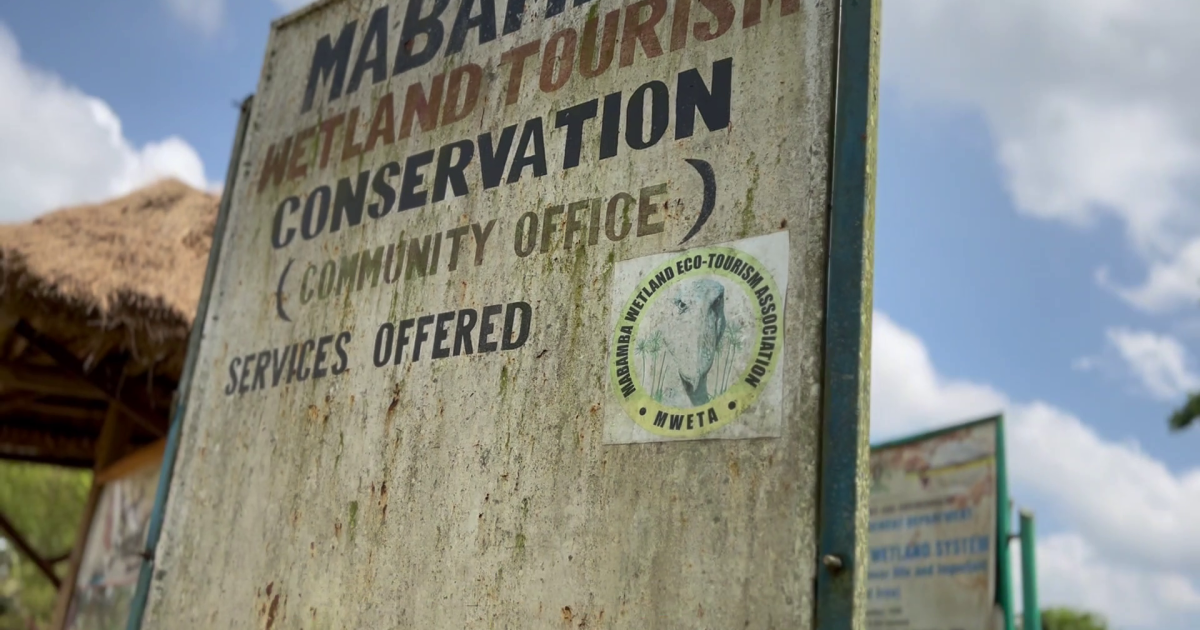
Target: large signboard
<point>934,548</point>
<point>518,322</point>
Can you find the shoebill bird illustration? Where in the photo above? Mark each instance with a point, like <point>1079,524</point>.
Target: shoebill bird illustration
<point>697,330</point>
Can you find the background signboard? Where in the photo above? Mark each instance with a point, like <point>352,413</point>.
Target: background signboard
<point>112,554</point>
<point>936,544</point>
<point>417,402</point>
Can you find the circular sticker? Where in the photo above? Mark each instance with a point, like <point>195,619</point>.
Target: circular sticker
<point>695,345</point>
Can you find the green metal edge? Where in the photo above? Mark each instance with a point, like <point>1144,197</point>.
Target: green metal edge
<point>844,481</point>
<point>1004,594</point>
<point>904,441</point>
<point>137,606</point>
<point>1030,610</point>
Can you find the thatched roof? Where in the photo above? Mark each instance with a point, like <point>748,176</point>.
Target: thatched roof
<point>115,284</point>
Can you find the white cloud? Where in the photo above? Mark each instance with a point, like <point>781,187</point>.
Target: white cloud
<point>1131,519</point>
<point>907,394</point>
<point>1072,573</point>
<point>62,146</point>
<point>1085,104</point>
<point>1172,282</point>
<point>204,15</point>
<point>1159,362</point>
<point>1073,159</point>
<point>1127,504</point>
<point>1085,364</point>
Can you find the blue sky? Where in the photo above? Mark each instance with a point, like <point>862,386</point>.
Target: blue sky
<point>1024,148</point>
<point>998,297</point>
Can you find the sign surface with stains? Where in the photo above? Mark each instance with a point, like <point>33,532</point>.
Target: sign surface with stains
<point>416,403</point>
<point>933,551</point>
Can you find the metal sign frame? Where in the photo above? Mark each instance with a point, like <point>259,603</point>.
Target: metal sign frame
<point>138,606</point>
<point>844,482</point>
<point>844,450</point>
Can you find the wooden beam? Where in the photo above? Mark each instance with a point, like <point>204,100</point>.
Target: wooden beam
<point>74,412</point>
<point>62,462</point>
<point>67,590</point>
<point>17,539</point>
<point>17,402</point>
<point>138,410</point>
<point>48,381</point>
<point>23,439</point>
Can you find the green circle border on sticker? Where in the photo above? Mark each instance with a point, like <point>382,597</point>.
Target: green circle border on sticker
<point>667,421</point>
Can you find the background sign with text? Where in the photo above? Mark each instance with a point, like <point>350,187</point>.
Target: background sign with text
<point>932,562</point>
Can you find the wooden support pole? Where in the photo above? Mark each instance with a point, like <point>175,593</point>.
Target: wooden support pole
<point>44,565</point>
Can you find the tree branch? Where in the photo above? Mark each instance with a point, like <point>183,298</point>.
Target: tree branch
<point>17,539</point>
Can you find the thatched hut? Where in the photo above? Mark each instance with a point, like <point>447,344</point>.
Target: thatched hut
<point>96,305</point>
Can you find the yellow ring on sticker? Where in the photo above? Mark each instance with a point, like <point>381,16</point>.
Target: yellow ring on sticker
<point>697,343</point>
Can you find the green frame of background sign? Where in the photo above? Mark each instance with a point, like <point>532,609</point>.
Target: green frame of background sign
<point>843,484</point>
<point>1004,578</point>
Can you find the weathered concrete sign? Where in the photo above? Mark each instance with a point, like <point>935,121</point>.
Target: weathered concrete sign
<point>519,322</point>
<point>933,532</point>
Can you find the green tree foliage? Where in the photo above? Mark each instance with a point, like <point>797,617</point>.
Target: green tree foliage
<point>1185,415</point>
<point>44,504</point>
<point>1068,619</point>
